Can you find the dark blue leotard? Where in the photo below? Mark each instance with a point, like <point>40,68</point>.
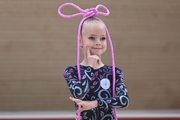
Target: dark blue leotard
<point>96,84</point>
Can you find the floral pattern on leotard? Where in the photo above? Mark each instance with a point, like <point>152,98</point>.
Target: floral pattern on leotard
<point>89,88</point>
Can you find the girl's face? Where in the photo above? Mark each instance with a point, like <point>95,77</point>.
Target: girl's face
<point>94,37</point>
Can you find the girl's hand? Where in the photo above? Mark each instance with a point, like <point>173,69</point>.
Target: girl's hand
<point>85,105</point>
<point>92,60</point>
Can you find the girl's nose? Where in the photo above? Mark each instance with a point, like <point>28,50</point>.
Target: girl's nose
<point>98,43</point>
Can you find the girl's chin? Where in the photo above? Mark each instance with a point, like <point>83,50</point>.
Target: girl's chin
<point>96,54</point>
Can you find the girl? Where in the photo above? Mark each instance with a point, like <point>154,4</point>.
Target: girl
<point>93,91</point>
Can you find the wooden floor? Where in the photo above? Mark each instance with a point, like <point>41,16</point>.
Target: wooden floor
<point>69,115</point>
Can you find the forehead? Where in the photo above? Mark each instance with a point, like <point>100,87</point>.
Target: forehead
<point>94,27</point>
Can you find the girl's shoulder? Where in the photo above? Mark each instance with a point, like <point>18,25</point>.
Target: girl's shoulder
<point>71,67</point>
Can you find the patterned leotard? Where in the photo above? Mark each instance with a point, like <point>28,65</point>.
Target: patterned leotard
<point>96,84</point>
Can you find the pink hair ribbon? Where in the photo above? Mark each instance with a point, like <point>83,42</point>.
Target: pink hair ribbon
<point>92,12</point>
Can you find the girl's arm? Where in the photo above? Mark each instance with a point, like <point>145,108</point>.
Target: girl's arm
<point>78,88</point>
<point>121,99</point>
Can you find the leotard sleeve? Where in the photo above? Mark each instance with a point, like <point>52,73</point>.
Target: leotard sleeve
<point>121,99</point>
<point>78,88</point>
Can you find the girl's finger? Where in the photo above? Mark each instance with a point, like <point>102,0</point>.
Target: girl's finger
<point>80,110</point>
<point>74,99</point>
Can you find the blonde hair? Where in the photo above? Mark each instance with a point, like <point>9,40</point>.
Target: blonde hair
<point>90,20</point>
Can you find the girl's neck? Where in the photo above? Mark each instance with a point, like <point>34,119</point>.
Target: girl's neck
<point>83,63</point>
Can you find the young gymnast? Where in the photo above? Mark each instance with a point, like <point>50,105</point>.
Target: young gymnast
<point>97,89</point>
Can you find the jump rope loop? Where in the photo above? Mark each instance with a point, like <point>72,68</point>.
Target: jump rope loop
<point>92,12</point>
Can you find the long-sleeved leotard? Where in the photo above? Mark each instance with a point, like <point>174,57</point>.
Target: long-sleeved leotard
<point>96,84</point>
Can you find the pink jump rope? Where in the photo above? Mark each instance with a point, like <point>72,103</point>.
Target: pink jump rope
<point>92,12</point>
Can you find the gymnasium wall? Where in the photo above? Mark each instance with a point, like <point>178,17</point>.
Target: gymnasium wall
<point>36,45</point>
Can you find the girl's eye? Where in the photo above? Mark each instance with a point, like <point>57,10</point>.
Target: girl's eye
<point>103,38</point>
<point>91,38</point>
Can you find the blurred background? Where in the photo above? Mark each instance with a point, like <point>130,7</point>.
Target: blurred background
<point>36,45</point>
